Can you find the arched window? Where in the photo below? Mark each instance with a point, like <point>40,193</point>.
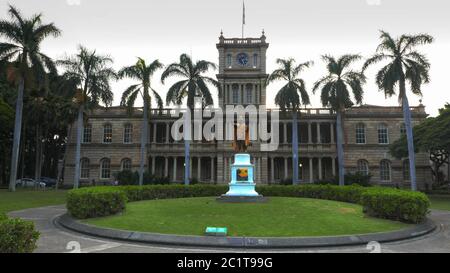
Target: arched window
<point>249,93</point>
<point>107,133</point>
<point>105,168</point>
<point>235,88</point>
<point>255,60</point>
<point>128,133</point>
<point>360,133</point>
<point>84,173</point>
<point>405,165</point>
<point>229,60</point>
<point>383,137</point>
<point>87,133</point>
<point>385,170</point>
<point>363,167</point>
<point>126,164</point>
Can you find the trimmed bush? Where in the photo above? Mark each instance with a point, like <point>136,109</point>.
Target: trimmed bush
<point>95,201</point>
<point>401,205</point>
<point>17,235</point>
<point>380,202</point>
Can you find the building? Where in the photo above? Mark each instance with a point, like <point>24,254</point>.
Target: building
<point>111,138</point>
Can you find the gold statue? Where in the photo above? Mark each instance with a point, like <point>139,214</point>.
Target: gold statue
<point>240,145</point>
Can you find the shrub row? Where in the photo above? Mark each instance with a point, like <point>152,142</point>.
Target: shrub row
<point>95,201</point>
<point>379,202</point>
<point>17,236</point>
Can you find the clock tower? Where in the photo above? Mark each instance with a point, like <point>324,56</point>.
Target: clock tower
<point>242,70</point>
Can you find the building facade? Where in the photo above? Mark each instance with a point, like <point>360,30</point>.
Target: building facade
<point>111,137</point>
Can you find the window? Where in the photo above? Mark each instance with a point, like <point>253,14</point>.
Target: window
<point>229,60</point>
<point>363,167</point>
<point>235,93</point>
<point>84,174</point>
<point>402,129</point>
<point>87,133</point>
<point>383,134</point>
<point>255,60</point>
<point>385,170</point>
<point>249,93</point>
<point>107,133</point>
<point>105,168</point>
<point>360,133</point>
<point>406,175</point>
<point>128,133</point>
<point>126,164</point>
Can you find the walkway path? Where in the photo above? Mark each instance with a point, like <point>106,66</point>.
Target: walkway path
<point>54,238</point>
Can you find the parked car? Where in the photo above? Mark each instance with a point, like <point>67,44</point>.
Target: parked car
<point>29,183</point>
<point>49,182</point>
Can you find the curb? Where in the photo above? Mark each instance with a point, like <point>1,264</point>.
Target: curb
<point>245,242</point>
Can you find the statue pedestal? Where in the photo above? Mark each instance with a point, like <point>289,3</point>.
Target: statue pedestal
<point>242,185</point>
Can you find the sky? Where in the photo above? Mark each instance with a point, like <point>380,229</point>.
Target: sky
<point>303,30</point>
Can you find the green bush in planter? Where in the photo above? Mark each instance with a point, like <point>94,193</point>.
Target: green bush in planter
<point>95,201</point>
<point>402,205</point>
<point>17,235</point>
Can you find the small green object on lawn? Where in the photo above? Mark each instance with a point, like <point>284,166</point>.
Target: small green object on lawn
<point>216,231</point>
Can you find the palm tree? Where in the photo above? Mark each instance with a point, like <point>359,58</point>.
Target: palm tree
<point>142,73</point>
<point>193,85</point>
<point>335,94</point>
<point>292,95</point>
<point>405,64</point>
<point>92,73</point>
<point>29,64</point>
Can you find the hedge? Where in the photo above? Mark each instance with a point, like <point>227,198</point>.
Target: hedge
<point>380,202</point>
<point>95,202</point>
<point>17,236</point>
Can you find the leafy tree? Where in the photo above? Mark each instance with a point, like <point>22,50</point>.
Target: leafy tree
<point>432,136</point>
<point>335,93</point>
<point>405,65</point>
<point>30,65</point>
<point>7,123</point>
<point>291,96</point>
<point>194,84</point>
<point>142,73</point>
<point>92,73</point>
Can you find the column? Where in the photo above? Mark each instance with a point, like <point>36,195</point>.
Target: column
<point>175,168</point>
<point>199,170</point>
<point>333,166</point>
<point>154,132</point>
<point>309,132</point>
<point>167,132</point>
<point>285,168</point>
<point>212,169</point>
<point>320,168</point>
<point>220,167</point>
<point>153,164</point>
<point>311,175</point>
<point>285,132</point>
<point>319,140</point>
<point>190,167</point>
<point>272,174</point>
<point>166,166</point>
<point>332,132</point>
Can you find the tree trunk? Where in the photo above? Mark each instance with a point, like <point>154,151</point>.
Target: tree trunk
<point>187,139</point>
<point>144,139</point>
<point>76,181</point>
<point>17,132</point>
<point>340,150</point>
<point>410,139</point>
<point>37,163</point>
<point>294,148</point>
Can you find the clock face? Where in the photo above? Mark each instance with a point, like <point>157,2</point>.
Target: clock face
<point>242,59</point>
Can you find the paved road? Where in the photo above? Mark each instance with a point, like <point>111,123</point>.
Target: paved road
<point>54,238</point>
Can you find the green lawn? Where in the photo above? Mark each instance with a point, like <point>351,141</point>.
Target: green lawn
<point>23,199</point>
<point>441,202</point>
<point>279,217</point>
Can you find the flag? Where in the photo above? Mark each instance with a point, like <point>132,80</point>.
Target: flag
<point>243,12</point>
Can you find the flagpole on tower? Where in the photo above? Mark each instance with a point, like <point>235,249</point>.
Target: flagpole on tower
<point>243,17</point>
